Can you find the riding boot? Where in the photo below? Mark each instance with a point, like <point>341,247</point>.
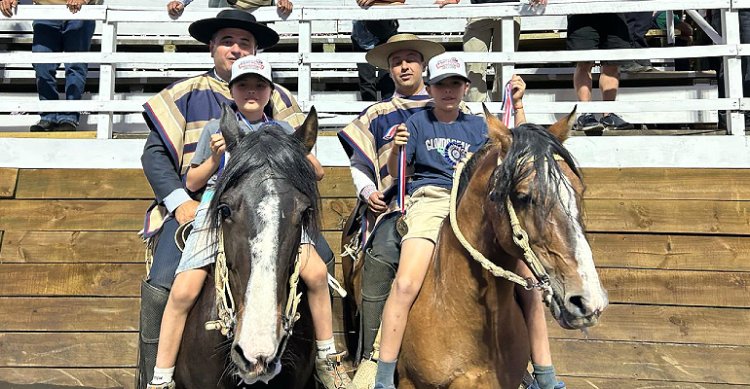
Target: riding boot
<point>331,373</point>
<point>153,301</point>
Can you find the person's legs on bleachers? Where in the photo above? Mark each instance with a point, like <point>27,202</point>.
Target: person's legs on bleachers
<point>478,37</point>
<point>616,35</point>
<point>77,36</point>
<point>638,25</point>
<point>47,39</point>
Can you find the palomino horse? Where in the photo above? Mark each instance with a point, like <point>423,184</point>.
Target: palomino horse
<point>267,194</point>
<point>465,329</point>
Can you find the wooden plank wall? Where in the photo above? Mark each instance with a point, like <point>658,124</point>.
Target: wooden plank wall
<point>672,247</point>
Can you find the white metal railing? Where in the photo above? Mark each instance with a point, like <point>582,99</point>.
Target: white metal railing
<point>304,60</point>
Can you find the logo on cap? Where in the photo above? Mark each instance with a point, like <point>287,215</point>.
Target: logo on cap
<point>255,64</point>
<point>448,63</point>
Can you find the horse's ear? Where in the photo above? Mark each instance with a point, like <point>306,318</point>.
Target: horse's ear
<point>497,130</point>
<point>230,129</point>
<point>308,131</point>
<point>561,129</point>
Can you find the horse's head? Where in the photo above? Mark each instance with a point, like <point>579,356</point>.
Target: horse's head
<point>266,196</point>
<point>539,177</point>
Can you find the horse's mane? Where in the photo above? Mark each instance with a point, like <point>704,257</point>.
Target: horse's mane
<point>470,167</point>
<point>531,149</point>
<point>270,149</point>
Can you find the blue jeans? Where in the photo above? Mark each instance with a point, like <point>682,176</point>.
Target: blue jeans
<point>56,36</point>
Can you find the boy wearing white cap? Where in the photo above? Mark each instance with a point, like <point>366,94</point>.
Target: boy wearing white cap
<point>434,140</point>
<point>251,86</point>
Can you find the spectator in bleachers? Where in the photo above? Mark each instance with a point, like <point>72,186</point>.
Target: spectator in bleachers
<point>366,34</point>
<point>56,36</point>
<point>591,32</point>
<point>175,8</point>
<point>638,25</point>
<point>484,35</point>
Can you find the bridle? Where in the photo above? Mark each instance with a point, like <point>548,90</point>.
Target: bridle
<point>225,302</point>
<point>520,238</point>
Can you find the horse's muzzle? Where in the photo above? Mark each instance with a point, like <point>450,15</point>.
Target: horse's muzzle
<point>252,370</point>
<point>569,320</point>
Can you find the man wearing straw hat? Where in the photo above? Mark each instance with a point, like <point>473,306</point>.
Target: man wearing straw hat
<point>367,142</point>
<point>176,116</point>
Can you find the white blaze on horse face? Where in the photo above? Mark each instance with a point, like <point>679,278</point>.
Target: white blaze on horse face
<point>259,337</point>
<point>594,296</point>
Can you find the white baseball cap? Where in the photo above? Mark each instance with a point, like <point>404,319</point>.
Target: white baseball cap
<point>251,65</point>
<point>445,65</point>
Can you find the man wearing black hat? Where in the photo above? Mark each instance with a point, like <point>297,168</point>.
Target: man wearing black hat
<point>176,117</point>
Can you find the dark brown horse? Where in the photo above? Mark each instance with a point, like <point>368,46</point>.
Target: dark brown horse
<point>266,195</point>
<point>465,329</point>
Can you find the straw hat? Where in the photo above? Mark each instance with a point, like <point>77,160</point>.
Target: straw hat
<point>378,56</point>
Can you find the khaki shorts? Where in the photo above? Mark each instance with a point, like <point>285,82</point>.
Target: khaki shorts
<point>425,211</point>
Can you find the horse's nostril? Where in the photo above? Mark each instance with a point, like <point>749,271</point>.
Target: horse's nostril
<point>577,301</point>
<point>241,355</point>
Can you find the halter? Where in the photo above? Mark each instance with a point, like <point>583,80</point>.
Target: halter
<point>225,301</point>
<point>520,238</point>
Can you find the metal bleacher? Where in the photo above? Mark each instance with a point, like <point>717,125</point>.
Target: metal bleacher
<point>138,50</point>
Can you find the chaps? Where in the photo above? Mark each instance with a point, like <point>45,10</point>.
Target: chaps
<point>153,301</point>
<point>381,261</point>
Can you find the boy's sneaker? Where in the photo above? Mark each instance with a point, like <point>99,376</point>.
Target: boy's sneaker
<point>168,385</point>
<point>331,372</point>
<point>614,122</point>
<point>587,122</point>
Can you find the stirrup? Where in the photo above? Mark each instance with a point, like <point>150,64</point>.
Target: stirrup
<point>330,372</point>
<point>337,358</point>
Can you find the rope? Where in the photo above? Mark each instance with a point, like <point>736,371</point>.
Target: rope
<point>520,237</point>
<point>224,299</point>
<point>495,270</point>
<point>290,313</point>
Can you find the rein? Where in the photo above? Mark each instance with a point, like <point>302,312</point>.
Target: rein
<point>225,301</point>
<point>520,238</point>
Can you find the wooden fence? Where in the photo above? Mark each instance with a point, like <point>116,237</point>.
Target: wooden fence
<point>672,247</point>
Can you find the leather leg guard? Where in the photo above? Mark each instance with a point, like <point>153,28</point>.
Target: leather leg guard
<point>377,278</point>
<point>153,301</point>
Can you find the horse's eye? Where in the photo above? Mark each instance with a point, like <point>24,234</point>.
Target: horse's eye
<point>524,198</point>
<point>224,211</point>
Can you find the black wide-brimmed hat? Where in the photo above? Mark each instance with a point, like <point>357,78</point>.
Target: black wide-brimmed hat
<point>203,30</point>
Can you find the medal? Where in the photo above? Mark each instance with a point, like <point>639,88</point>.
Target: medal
<point>401,227</point>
